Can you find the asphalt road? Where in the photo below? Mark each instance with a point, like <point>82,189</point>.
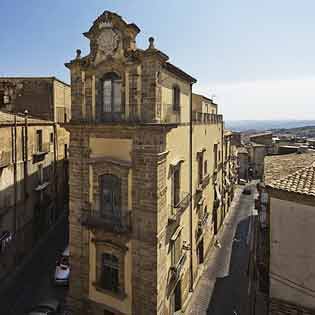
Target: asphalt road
<point>223,287</point>
<point>34,283</point>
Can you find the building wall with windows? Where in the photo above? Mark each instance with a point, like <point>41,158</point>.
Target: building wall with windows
<point>143,177</point>
<point>33,183</point>
<point>45,97</point>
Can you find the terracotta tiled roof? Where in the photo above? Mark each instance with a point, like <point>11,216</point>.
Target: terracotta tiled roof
<point>301,181</point>
<point>279,166</point>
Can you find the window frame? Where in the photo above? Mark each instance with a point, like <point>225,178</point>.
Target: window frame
<point>176,97</point>
<point>115,83</point>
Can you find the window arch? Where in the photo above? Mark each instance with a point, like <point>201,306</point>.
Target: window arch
<point>111,93</point>
<point>110,195</point>
<point>176,98</point>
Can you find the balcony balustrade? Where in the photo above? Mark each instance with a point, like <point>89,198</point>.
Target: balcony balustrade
<point>180,207</point>
<point>207,118</point>
<point>120,222</point>
<point>40,152</point>
<point>4,159</point>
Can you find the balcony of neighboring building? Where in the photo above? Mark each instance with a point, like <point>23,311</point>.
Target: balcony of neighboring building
<point>206,118</point>
<point>40,152</point>
<point>118,221</point>
<point>177,267</point>
<point>5,158</point>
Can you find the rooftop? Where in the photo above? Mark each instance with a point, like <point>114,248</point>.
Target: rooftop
<point>301,181</point>
<point>279,166</point>
<point>7,118</point>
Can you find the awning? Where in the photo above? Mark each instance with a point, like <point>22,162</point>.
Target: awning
<point>176,233</point>
<point>201,201</point>
<point>218,192</point>
<point>227,181</point>
<point>41,186</point>
<point>176,162</point>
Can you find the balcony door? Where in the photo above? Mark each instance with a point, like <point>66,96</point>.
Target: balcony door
<point>110,196</point>
<point>111,91</point>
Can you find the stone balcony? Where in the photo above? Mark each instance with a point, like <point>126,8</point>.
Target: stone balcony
<point>40,152</point>
<point>5,158</point>
<point>118,223</point>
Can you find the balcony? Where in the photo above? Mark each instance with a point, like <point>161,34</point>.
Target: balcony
<point>135,113</point>
<point>203,219</point>
<point>118,223</point>
<point>204,182</point>
<point>177,210</point>
<point>40,152</point>
<point>176,269</point>
<point>4,159</point>
<point>206,118</point>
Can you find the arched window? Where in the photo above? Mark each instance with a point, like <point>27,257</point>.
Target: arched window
<point>176,98</point>
<point>110,195</point>
<point>111,93</point>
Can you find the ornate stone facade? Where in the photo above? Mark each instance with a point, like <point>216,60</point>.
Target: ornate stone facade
<point>128,124</point>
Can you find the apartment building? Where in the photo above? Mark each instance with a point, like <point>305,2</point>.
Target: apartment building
<point>151,179</point>
<point>45,97</point>
<point>33,183</point>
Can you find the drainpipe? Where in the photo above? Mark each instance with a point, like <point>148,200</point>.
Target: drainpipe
<point>15,175</point>
<point>191,288</point>
<point>25,154</point>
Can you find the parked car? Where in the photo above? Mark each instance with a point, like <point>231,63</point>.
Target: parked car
<point>247,191</point>
<point>62,271</point>
<point>48,307</point>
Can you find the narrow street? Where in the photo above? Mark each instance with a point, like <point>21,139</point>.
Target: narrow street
<point>35,282</point>
<point>223,287</point>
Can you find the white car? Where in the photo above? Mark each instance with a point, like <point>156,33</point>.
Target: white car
<point>62,271</point>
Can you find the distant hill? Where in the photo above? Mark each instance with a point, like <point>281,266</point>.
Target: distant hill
<point>305,131</point>
<point>262,125</point>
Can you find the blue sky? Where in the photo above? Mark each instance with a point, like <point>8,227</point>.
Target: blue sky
<point>256,57</point>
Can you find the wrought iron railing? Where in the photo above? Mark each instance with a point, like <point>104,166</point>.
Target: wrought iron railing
<point>181,206</point>
<point>177,268</point>
<point>120,221</point>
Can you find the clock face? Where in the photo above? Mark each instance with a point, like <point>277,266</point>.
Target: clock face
<point>108,41</point>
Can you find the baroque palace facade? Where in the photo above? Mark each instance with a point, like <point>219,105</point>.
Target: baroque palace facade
<point>151,176</point>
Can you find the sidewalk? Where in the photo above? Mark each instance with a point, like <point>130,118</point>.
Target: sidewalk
<point>222,288</point>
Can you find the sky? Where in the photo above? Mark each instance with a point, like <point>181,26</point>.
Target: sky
<point>256,58</point>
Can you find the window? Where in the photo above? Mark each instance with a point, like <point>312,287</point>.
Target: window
<point>39,140</point>
<point>111,91</point>
<point>176,250</point>
<point>110,195</point>
<point>215,153</point>
<point>110,273</point>
<point>51,137</point>
<point>176,186</point>
<point>200,168</point>
<point>176,98</point>
<point>66,151</point>
<point>205,167</point>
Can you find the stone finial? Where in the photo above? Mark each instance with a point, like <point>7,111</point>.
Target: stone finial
<point>78,56</point>
<point>151,43</point>
<point>26,112</point>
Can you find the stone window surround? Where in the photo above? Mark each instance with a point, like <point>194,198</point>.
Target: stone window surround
<point>118,250</point>
<point>103,167</point>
